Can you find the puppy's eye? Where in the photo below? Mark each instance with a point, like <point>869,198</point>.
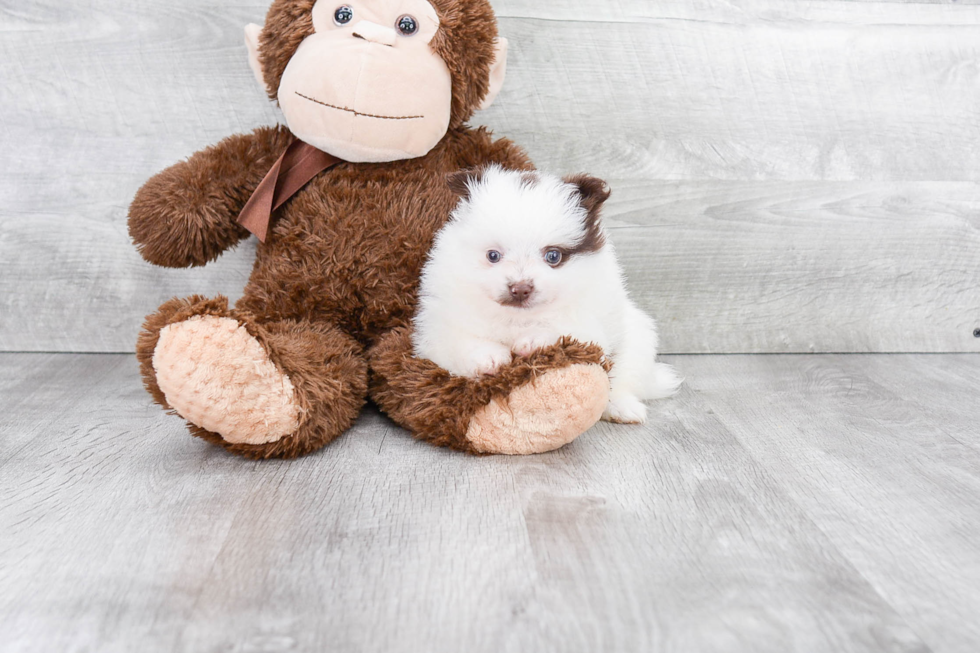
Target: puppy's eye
<point>407,25</point>
<point>552,257</point>
<point>493,256</point>
<point>343,15</point>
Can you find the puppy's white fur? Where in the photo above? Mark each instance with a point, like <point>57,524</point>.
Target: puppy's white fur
<point>465,322</point>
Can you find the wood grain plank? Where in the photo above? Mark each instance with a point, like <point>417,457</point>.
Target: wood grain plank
<point>959,385</point>
<point>891,477</point>
<point>38,389</point>
<point>943,392</point>
<point>724,94</point>
<point>95,100</point>
<point>122,533</point>
<point>847,12</point>
<point>723,266</point>
<point>803,267</point>
<point>874,99</point>
<point>111,517</point>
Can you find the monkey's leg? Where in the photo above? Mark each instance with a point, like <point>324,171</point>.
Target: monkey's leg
<point>534,404</point>
<point>261,390</point>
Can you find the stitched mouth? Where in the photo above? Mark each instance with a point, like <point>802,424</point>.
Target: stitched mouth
<point>356,113</point>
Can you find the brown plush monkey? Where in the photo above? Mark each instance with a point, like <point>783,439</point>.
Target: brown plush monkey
<point>387,86</point>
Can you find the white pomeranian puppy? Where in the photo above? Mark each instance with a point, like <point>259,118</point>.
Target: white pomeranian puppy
<point>523,261</point>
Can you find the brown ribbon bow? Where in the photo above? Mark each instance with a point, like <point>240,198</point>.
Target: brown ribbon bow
<point>295,168</point>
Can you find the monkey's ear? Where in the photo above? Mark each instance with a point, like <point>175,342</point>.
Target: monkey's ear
<point>462,182</point>
<point>498,69</point>
<point>592,190</point>
<point>252,32</point>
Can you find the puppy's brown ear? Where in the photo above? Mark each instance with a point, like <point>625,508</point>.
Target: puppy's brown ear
<point>592,190</point>
<point>461,182</point>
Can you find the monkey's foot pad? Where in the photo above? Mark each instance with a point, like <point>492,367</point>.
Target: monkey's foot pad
<point>543,415</point>
<point>218,377</point>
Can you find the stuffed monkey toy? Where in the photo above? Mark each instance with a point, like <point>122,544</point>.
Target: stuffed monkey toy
<point>346,199</point>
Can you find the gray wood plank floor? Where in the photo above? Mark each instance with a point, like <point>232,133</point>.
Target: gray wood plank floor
<point>779,503</point>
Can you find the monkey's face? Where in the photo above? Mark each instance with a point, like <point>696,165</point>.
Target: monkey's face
<point>366,85</point>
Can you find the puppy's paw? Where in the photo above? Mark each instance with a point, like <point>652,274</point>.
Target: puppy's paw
<point>625,409</point>
<point>533,341</point>
<point>486,358</point>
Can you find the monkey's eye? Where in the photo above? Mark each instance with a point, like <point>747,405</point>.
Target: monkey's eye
<point>407,25</point>
<point>343,15</point>
<point>493,256</point>
<point>552,257</point>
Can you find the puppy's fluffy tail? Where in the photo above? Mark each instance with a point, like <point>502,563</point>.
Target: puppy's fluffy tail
<point>664,381</point>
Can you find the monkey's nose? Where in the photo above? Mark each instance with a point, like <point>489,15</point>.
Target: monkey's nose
<point>521,290</point>
<point>374,33</point>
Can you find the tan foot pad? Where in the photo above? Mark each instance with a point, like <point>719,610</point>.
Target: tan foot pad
<point>544,415</point>
<point>217,376</point>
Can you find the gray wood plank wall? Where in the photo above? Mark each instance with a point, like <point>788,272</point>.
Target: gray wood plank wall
<point>787,176</point>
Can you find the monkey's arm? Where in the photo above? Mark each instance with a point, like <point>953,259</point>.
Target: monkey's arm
<point>186,215</point>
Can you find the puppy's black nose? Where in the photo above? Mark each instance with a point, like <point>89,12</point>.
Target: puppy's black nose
<point>521,290</point>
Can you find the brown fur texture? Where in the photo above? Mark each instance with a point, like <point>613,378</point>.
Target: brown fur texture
<point>215,374</point>
<point>460,183</point>
<point>593,192</point>
<point>197,197</point>
<point>437,406</point>
<point>327,368</point>
<point>333,289</point>
<point>465,41</point>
